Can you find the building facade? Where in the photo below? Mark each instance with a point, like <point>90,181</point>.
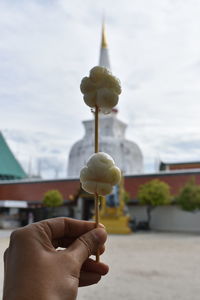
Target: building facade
<point>79,204</point>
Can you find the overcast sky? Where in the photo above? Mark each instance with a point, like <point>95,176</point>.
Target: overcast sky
<point>46,47</point>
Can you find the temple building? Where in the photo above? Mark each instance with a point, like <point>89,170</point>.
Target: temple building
<point>21,197</point>
<point>127,154</point>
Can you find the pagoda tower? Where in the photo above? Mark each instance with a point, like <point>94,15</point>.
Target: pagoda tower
<point>127,155</point>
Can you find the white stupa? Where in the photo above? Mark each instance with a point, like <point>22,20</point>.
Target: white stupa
<point>127,155</point>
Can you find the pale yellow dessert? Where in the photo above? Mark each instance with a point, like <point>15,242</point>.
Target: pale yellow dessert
<point>101,89</point>
<point>100,174</point>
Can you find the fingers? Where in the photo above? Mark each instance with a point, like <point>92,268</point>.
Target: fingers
<point>87,278</point>
<point>65,242</point>
<point>87,244</point>
<point>95,267</point>
<point>91,272</point>
<point>58,228</point>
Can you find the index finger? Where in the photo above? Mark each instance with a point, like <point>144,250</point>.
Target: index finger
<point>58,228</point>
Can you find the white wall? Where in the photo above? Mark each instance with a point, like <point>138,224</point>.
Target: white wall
<point>138,213</point>
<point>168,218</point>
<point>78,209</point>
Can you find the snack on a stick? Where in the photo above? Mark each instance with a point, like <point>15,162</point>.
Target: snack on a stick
<point>101,89</point>
<point>100,174</point>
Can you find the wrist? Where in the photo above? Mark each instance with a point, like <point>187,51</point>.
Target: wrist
<point>38,291</point>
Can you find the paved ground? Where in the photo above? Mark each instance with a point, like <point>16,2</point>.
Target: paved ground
<point>150,266</point>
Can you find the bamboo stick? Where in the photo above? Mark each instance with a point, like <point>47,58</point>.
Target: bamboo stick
<point>96,149</point>
<point>96,135</point>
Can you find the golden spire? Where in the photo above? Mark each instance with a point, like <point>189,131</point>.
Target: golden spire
<point>104,57</point>
<point>104,43</point>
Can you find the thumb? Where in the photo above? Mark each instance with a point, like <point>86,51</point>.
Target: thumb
<point>87,244</point>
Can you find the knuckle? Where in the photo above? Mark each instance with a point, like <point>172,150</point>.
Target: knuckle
<point>87,244</point>
<point>5,255</point>
<point>14,235</point>
<point>17,234</point>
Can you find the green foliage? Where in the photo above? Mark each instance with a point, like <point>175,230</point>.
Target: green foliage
<point>53,198</point>
<point>189,196</point>
<point>126,196</point>
<point>154,193</point>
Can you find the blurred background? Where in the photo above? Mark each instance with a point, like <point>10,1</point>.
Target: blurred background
<point>47,47</point>
<point>46,132</point>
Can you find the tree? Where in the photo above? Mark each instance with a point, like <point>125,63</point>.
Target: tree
<point>53,198</point>
<point>189,196</point>
<point>152,194</point>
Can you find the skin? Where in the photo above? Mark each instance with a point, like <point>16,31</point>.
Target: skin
<point>35,269</point>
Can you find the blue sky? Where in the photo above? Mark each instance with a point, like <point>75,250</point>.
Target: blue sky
<point>46,47</point>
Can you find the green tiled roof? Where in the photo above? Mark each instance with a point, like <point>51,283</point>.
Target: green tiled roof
<point>10,168</point>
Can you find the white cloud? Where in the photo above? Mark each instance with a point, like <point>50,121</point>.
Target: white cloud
<point>46,47</point>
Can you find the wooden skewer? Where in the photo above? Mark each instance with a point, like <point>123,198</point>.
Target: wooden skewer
<point>97,221</point>
<point>96,135</point>
<point>96,149</point>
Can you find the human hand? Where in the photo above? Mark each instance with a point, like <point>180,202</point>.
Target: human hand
<point>36,270</point>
